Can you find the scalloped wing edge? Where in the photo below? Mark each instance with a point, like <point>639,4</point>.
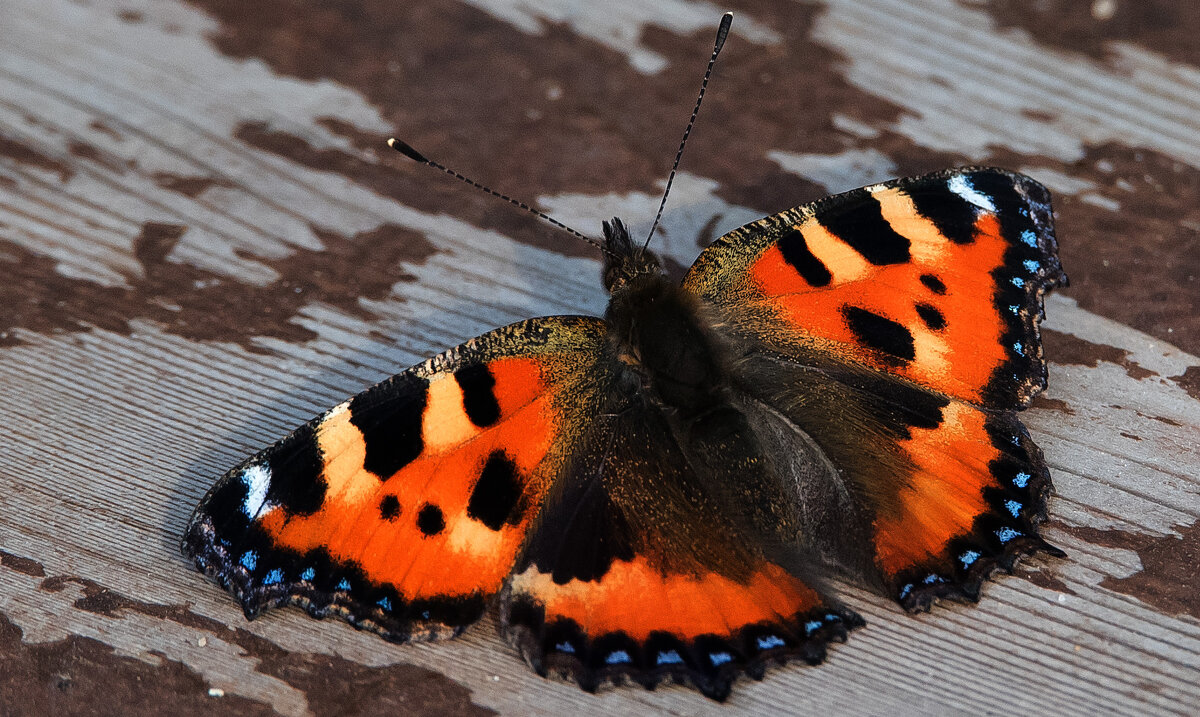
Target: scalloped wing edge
<point>711,663</point>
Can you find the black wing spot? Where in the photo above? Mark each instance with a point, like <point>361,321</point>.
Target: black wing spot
<point>797,254</point>
<point>389,417</point>
<point>596,537</point>
<point>931,316</point>
<point>934,284</point>
<point>496,493</point>
<point>861,225</point>
<point>479,398</point>
<point>953,216</point>
<point>430,520</point>
<point>389,507</point>
<point>880,333</point>
<point>297,473</point>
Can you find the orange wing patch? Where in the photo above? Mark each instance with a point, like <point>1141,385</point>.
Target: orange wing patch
<point>937,280</point>
<point>403,509</point>
<point>951,464</point>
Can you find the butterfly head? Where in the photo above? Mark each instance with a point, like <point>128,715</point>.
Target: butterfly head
<point>624,260</point>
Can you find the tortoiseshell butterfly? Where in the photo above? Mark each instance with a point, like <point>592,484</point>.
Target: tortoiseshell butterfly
<point>662,492</point>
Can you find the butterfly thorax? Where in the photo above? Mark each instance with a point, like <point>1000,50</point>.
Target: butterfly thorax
<point>657,330</point>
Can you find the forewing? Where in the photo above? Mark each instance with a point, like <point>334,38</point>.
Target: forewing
<point>937,280</point>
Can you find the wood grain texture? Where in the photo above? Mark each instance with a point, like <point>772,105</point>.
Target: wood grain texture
<point>203,243</point>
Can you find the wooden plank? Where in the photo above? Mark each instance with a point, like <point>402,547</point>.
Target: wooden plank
<point>208,246</point>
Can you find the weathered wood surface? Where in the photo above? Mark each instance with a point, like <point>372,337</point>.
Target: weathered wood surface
<point>203,243</point>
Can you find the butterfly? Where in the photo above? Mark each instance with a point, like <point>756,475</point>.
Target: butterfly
<point>667,491</point>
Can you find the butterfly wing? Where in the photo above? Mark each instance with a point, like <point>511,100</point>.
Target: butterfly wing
<point>650,563</point>
<point>935,279</point>
<point>403,509</point>
<point>896,327</point>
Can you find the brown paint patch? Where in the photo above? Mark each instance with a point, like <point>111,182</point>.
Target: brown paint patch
<point>24,154</point>
<point>83,150</point>
<point>1130,436</point>
<point>188,186</point>
<point>80,675</point>
<point>553,113</point>
<point>1164,26</point>
<point>1052,404</point>
<point>1047,581</point>
<point>1067,349</point>
<point>25,566</point>
<point>329,682</point>
<point>131,16</point>
<point>1168,579</point>
<point>100,126</point>
<point>1141,265</point>
<point>1038,115</point>
<point>200,305</point>
<point>1161,419</point>
<point>1105,537</point>
<point>1189,381</point>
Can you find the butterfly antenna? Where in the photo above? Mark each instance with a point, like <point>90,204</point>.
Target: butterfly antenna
<point>722,33</point>
<point>407,150</point>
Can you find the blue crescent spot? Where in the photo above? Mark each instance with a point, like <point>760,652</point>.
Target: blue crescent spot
<point>1021,479</point>
<point>424,614</point>
<point>1013,507</point>
<point>1014,308</point>
<point>968,558</point>
<point>904,591</point>
<point>832,617</point>
<point>1019,347</point>
<point>932,578</point>
<point>274,577</point>
<point>766,643</point>
<point>385,603</point>
<point>1007,534</point>
<point>308,574</point>
<point>1031,265</point>
<point>617,657</point>
<point>720,658</point>
<point>249,559</point>
<point>670,657</point>
<point>812,626</point>
<point>565,647</point>
<point>344,584</point>
<point>1018,282</point>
